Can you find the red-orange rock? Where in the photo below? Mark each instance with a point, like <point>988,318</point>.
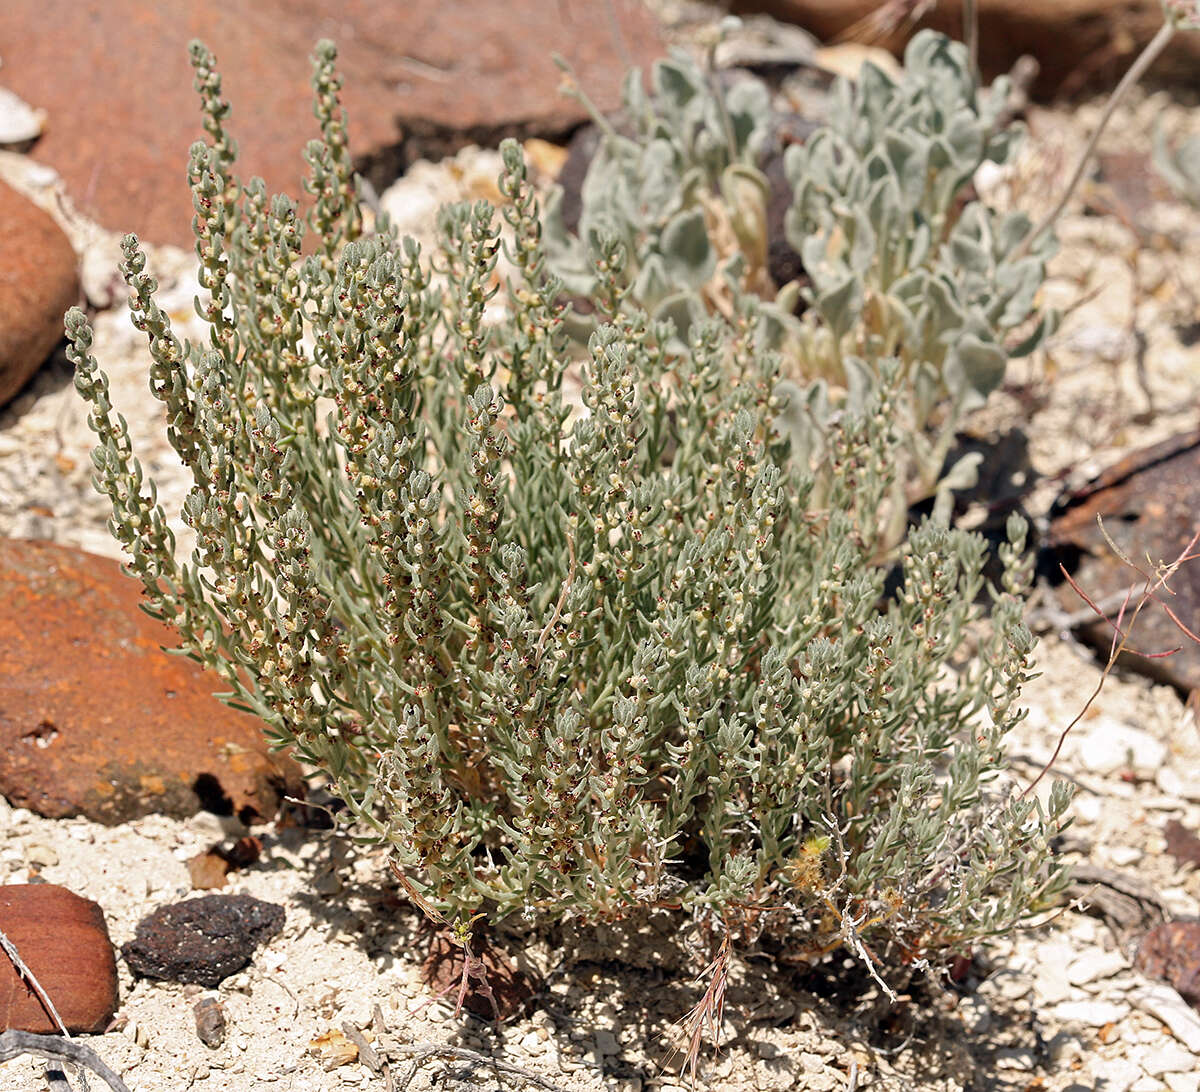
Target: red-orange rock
<point>115,81</point>
<point>38,281</point>
<point>63,941</point>
<point>96,720</point>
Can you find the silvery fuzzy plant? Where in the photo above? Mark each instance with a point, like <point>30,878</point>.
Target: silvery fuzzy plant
<point>902,264</point>
<point>1180,166</point>
<point>680,186</point>
<point>567,663</point>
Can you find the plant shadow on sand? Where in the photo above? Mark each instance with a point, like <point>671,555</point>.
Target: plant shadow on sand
<point>637,979</point>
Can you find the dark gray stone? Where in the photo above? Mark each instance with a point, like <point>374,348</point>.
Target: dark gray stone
<point>203,940</point>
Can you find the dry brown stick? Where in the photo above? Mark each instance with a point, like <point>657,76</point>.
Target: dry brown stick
<point>424,1051</point>
<point>366,1052</point>
<point>380,1029</point>
<point>58,1049</point>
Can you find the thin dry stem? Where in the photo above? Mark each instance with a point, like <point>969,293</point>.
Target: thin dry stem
<point>1154,582</point>
<point>1145,59</point>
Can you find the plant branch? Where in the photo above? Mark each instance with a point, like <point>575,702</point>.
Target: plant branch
<point>1136,71</point>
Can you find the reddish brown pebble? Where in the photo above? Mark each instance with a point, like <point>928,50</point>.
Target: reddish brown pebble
<point>96,720</point>
<point>38,282</point>
<point>1171,952</point>
<point>64,942</point>
<point>245,851</point>
<point>207,871</point>
<point>210,1022</point>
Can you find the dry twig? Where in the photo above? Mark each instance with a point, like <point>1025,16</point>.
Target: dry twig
<point>58,1048</point>
<point>423,1051</point>
<point>1155,583</point>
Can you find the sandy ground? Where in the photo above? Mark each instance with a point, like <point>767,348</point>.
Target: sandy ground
<point>1056,1008</point>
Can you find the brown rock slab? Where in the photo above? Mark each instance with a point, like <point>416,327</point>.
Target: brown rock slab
<point>1149,503</point>
<point>39,280</point>
<point>97,720</point>
<point>496,987</point>
<point>63,940</point>
<point>119,128</point>
<point>1171,952</point>
<point>202,941</point>
<point>1182,844</point>
<point>1078,43</point>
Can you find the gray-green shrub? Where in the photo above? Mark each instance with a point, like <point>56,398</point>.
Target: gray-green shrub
<point>568,660</point>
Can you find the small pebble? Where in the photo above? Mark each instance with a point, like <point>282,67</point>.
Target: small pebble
<point>1168,1058</point>
<point>333,1049</point>
<point>1051,983</point>
<point>811,1063</point>
<point>975,1013</point>
<point>1124,856</point>
<point>1094,1014</point>
<point>136,1033</point>
<point>1165,1004</point>
<point>1019,1059</point>
<point>1181,788</point>
<point>1094,965</point>
<point>1010,986</point>
<point>328,883</point>
<point>41,855</point>
<point>1111,746</point>
<point>210,1021</point>
<point>1115,1074</point>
